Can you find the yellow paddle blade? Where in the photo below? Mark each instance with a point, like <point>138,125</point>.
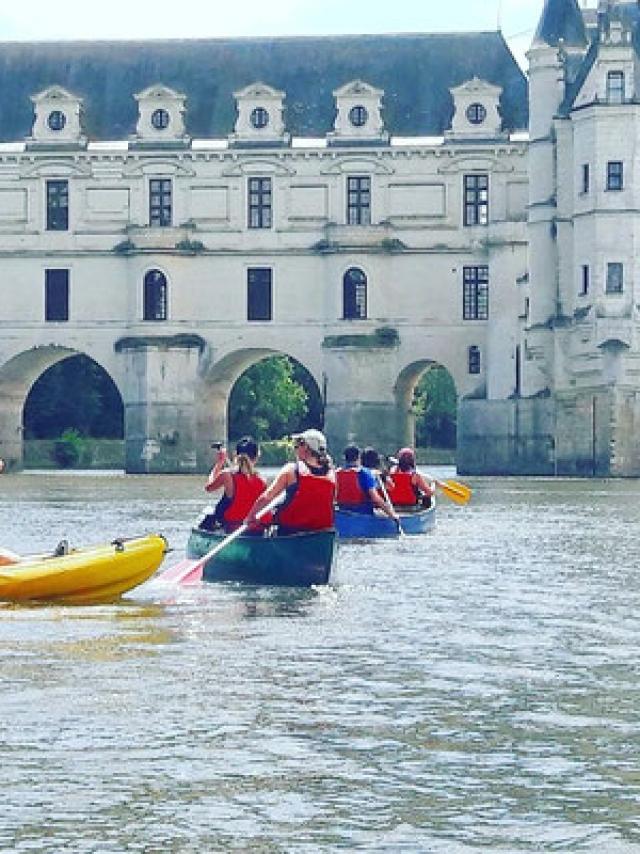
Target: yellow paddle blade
<point>454,490</point>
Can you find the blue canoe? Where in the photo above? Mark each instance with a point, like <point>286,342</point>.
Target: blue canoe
<point>299,560</point>
<point>365,526</point>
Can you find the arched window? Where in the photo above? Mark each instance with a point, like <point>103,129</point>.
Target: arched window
<point>354,288</point>
<point>155,296</point>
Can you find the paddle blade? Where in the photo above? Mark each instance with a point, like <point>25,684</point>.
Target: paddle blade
<point>457,492</point>
<point>184,572</point>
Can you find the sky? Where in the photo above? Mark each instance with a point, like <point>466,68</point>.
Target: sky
<point>138,19</point>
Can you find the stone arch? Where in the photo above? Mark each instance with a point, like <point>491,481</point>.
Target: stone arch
<point>17,377</point>
<point>404,391</point>
<point>214,390</point>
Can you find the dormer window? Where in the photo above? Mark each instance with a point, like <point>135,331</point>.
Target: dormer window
<point>56,120</point>
<point>160,119</point>
<point>358,116</point>
<point>260,119</point>
<point>476,113</point>
<point>615,87</point>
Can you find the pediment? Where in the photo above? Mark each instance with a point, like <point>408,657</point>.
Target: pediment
<point>54,93</point>
<point>369,165</point>
<point>159,92</point>
<point>358,88</point>
<point>475,163</point>
<point>159,167</point>
<point>261,166</point>
<point>258,90</point>
<point>476,86</point>
<point>54,168</point>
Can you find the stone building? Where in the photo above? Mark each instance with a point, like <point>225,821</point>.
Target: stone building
<point>179,210</point>
<point>369,205</point>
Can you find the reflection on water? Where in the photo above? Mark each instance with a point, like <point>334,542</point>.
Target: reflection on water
<point>476,689</point>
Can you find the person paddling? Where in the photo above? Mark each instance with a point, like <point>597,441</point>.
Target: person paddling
<point>371,463</point>
<point>407,487</point>
<point>242,485</point>
<point>357,485</point>
<point>308,485</point>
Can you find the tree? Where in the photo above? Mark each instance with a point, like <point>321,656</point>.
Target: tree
<point>75,394</point>
<point>271,400</point>
<point>435,407</point>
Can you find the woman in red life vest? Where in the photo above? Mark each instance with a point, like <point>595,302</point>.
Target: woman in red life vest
<point>407,487</point>
<point>357,485</point>
<point>308,484</point>
<point>242,485</point>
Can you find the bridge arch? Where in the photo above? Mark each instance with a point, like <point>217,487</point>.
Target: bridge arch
<point>18,376</point>
<point>405,390</point>
<point>215,388</point>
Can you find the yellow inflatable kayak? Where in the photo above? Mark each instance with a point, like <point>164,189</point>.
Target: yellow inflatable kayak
<point>94,574</point>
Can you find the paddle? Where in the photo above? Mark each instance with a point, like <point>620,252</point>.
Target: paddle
<point>190,572</point>
<point>385,495</point>
<point>457,492</point>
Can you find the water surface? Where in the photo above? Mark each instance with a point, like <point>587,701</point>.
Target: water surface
<point>476,689</point>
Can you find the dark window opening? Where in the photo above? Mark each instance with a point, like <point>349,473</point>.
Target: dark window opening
<point>354,285</point>
<point>57,205</point>
<point>160,202</point>
<point>474,360</point>
<point>476,199</point>
<point>586,178</point>
<point>56,296</point>
<point>476,293</point>
<point>615,87</point>
<point>615,278</point>
<point>584,283</point>
<point>260,203</point>
<point>155,296</point>
<point>259,293</point>
<point>359,200</point>
<point>615,175</point>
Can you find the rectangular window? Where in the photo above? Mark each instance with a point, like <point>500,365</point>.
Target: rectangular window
<point>476,293</point>
<point>259,293</point>
<point>56,295</point>
<point>160,202</point>
<point>474,360</point>
<point>584,281</point>
<point>586,178</point>
<point>476,199</point>
<point>615,175</point>
<point>615,278</point>
<point>57,205</point>
<point>359,200</point>
<point>615,87</point>
<point>260,203</point>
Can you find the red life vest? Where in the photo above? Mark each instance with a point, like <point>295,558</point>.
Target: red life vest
<point>246,489</point>
<point>403,492</point>
<point>309,502</point>
<point>349,491</point>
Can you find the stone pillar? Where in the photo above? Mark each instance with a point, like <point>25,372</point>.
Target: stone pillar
<point>160,399</point>
<point>360,400</point>
<point>11,427</point>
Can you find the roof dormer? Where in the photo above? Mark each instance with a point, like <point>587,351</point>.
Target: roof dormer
<point>260,119</point>
<point>160,117</point>
<point>57,119</point>
<point>476,111</point>
<point>358,115</point>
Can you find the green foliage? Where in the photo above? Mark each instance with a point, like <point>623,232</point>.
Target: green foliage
<point>68,449</point>
<point>272,399</point>
<point>75,394</point>
<point>435,407</point>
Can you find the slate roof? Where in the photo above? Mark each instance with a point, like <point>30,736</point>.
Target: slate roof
<point>416,72</point>
<point>561,19</point>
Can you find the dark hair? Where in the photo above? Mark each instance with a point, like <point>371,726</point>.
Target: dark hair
<point>351,453</point>
<point>247,451</point>
<point>370,458</point>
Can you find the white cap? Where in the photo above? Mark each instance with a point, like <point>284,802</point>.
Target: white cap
<point>313,439</point>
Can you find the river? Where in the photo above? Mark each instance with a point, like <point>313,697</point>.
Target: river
<point>475,689</point>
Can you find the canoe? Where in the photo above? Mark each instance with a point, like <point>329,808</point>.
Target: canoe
<point>300,560</point>
<point>89,575</point>
<point>365,526</point>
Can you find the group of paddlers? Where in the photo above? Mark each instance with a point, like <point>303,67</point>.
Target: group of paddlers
<point>311,487</point>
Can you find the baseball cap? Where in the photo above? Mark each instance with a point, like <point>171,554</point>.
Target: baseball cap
<point>313,439</point>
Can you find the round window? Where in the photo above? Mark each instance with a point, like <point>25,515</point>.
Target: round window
<point>160,119</point>
<point>358,116</point>
<point>476,114</point>
<point>259,118</point>
<point>57,120</point>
